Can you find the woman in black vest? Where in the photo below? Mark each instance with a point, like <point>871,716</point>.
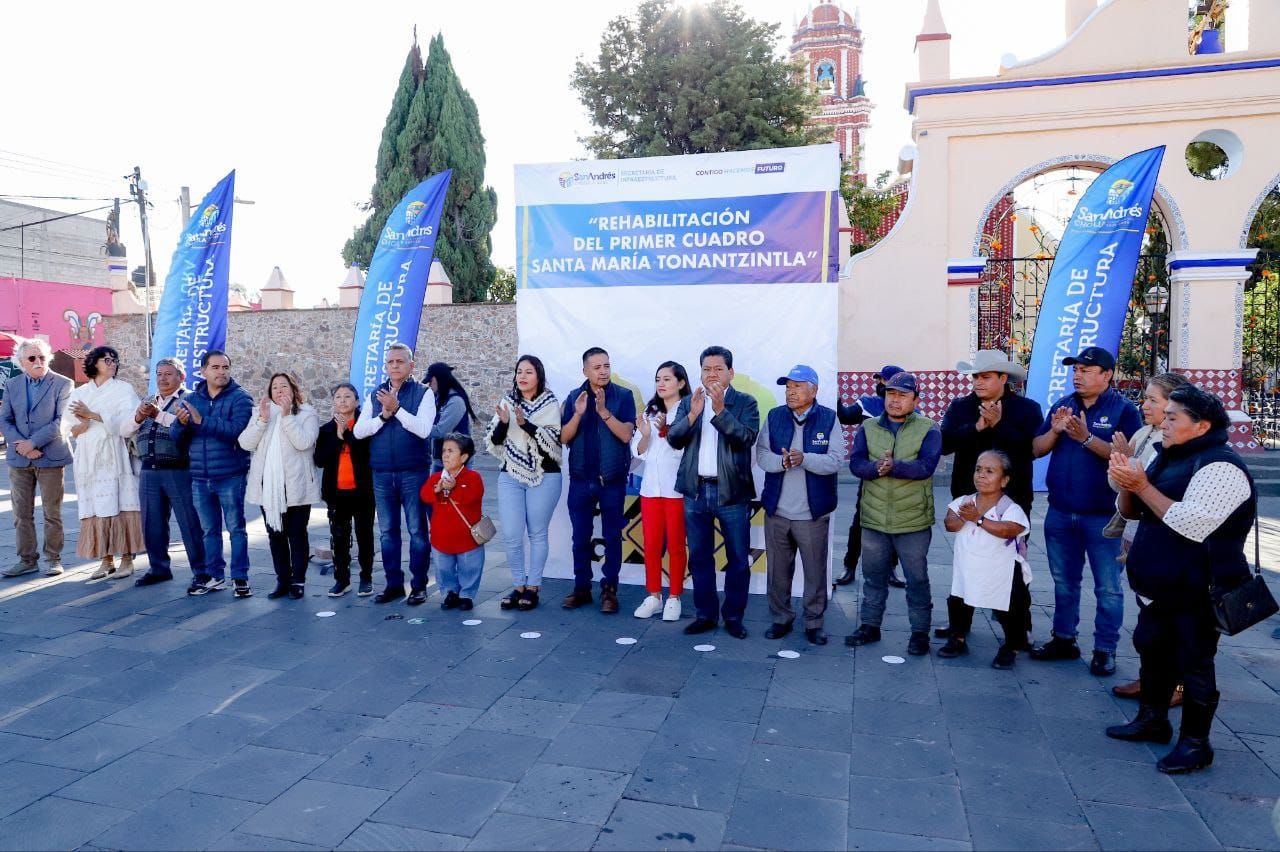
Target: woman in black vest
<point>1195,505</point>
<point>346,484</point>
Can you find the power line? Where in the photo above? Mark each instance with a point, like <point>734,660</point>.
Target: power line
<point>58,164</point>
<point>57,197</point>
<point>56,218</point>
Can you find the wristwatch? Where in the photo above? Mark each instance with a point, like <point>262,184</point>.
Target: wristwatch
<point>1087,441</point>
<point>980,520</point>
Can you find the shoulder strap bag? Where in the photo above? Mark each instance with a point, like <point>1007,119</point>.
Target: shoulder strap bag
<point>1238,609</point>
<point>482,531</point>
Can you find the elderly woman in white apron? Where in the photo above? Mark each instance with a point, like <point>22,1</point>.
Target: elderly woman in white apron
<point>989,561</point>
<point>106,483</point>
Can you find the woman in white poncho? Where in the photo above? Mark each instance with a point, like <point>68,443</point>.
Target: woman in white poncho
<point>106,484</point>
<point>283,478</point>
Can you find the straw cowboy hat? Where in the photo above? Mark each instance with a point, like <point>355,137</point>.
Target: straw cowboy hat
<point>993,361</point>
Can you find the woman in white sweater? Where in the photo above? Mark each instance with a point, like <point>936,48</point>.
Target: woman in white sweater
<point>283,479</point>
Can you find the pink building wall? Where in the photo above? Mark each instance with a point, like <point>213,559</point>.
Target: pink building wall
<point>67,315</point>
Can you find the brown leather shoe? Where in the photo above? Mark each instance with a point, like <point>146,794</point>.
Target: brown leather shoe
<point>575,599</point>
<point>1127,690</point>
<point>608,600</point>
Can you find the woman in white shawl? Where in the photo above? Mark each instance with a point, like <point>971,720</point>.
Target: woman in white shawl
<point>106,484</point>
<point>283,479</point>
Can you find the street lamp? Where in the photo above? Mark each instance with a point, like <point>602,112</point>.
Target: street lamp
<point>185,205</point>
<point>1156,300</point>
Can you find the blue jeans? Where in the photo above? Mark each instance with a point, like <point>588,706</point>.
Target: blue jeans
<point>700,513</point>
<point>162,492</point>
<point>1068,538</point>
<point>396,491</point>
<point>459,572</point>
<point>218,501</point>
<point>527,509</point>
<point>879,552</point>
<point>584,496</point>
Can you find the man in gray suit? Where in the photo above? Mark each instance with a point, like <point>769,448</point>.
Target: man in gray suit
<point>37,451</point>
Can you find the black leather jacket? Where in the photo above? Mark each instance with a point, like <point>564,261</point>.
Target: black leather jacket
<point>738,425</point>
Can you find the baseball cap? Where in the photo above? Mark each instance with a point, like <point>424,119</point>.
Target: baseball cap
<point>800,373</point>
<point>886,371</point>
<point>1092,356</point>
<point>901,381</point>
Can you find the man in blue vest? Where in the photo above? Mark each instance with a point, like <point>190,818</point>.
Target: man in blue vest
<point>398,415</point>
<point>164,485</point>
<point>800,450</point>
<point>596,425</point>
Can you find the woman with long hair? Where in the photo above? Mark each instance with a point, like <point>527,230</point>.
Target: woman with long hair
<point>453,409</point>
<point>346,484</point>
<point>661,505</point>
<point>106,483</point>
<point>282,478</point>
<point>524,434</point>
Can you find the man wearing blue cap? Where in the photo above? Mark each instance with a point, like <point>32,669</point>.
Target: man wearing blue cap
<point>800,449</point>
<point>1078,432</point>
<point>895,456</point>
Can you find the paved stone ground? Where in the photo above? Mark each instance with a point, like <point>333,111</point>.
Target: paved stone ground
<point>140,718</point>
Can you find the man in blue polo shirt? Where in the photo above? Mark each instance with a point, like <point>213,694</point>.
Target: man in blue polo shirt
<point>1078,431</point>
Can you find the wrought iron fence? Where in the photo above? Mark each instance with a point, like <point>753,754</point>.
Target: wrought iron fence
<point>1260,344</point>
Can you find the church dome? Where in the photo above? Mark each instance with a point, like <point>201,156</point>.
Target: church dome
<point>827,14</point>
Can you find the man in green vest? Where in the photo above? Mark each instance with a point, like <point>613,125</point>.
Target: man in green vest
<point>895,456</point>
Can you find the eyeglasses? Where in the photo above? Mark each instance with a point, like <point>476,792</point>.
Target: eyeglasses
<point>108,359</point>
<point>31,359</point>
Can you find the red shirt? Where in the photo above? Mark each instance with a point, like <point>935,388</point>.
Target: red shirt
<point>449,533</point>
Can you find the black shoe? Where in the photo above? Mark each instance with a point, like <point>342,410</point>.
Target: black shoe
<point>339,589</point>
<point>450,601</point>
<point>1057,648</point>
<point>918,644</point>
<point>847,577</point>
<point>512,600</point>
<point>417,597</point>
<point>389,594</point>
<point>242,589</point>
<point>465,604</point>
<point>864,635</point>
<point>735,629</point>
<point>815,636</point>
<point>1005,658</point>
<point>896,583</point>
<point>1151,725</point>
<point>1190,754</point>
<point>699,625</point>
<point>278,592</point>
<point>150,579</point>
<point>366,589</point>
<point>1103,664</point>
<point>777,631</point>
<point>297,592</point>
<point>942,633</point>
<point>955,647</point>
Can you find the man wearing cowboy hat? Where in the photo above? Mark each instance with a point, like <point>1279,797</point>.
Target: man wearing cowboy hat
<point>993,417</point>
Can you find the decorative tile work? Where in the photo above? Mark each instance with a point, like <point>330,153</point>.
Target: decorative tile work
<point>1253,210</point>
<point>973,321</point>
<point>1226,385</point>
<point>937,389</point>
<point>1238,348</point>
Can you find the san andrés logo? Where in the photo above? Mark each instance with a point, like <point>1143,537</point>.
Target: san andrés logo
<point>1119,191</point>
<point>1115,213</point>
<point>209,216</point>
<point>570,179</point>
<point>412,212</point>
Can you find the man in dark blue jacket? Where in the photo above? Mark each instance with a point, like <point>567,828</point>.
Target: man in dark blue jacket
<point>717,428</point>
<point>216,413</point>
<point>398,417</point>
<point>596,425</point>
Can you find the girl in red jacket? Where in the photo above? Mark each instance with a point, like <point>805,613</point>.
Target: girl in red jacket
<point>456,492</point>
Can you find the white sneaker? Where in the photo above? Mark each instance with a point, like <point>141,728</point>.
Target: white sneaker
<point>671,612</point>
<point>650,607</point>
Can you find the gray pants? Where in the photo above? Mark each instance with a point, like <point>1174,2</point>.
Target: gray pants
<point>23,482</point>
<point>782,538</point>
<point>912,552</point>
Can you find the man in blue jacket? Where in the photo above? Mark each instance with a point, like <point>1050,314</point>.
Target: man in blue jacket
<point>596,425</point>
<point>37,453</point>
<point>717,428</point>
<point>216,413</point>
<point>397,416</point>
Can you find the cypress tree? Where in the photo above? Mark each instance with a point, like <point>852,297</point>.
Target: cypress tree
<point>434,127</point>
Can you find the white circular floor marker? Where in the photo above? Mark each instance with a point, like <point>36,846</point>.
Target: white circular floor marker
<point>326,614</point>
<point>704,648</point>
<point>532,634</point>
<point>789,655</point>
<point>417,621</point>
<point>625,640</point>
<point>472,622</point>
<point>893,660</point>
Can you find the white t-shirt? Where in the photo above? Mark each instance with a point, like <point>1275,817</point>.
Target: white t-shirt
<point>708,449</point>
<point>982,565</point>
<point>661,464</point>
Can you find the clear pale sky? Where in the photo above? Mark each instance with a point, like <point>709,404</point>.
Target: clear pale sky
<point>296,104</point>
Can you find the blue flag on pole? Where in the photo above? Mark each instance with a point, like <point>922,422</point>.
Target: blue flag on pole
<point>391,307</point>
<point>1086,299</point>
<point>192,317</point>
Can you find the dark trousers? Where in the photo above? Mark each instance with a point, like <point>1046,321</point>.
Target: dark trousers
<point>1176,642</point>
<point>162,492</point>
<point>289,546</point>
<point>700,514</point>
<point>347,509</point>
<point>783,538</point>
<point>1016,621</point>
<point>854,552</point>
<point>584,496</point>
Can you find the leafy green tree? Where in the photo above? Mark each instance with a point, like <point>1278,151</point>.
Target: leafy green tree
<point>433,126</point>
<point>867,206</point>
<point>504,285</point>
<point>678,78</point>
<point>1206,160</point>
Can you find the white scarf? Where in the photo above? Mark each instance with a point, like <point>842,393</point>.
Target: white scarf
<point>521,454</point>
<point>274,499</point>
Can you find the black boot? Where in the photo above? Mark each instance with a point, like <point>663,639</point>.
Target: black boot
<point>1193,750</point>
<point>1151,725</point>
<point>847,577</point>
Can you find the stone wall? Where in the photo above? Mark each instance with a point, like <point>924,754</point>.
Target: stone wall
<point>479,340</point>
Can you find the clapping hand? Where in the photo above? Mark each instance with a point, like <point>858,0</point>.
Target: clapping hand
<point>390,404</point>
<point>340,422</point>
<point>696,403</point>
<point>264,409</point>
<point>82,411</point>
<point>885,466</point>
<point>580,404</point>
<point>716,391</point>
<point>147,409</point>
<point>644,425</point>
<point>189,412</point>
<point>1060,418</point>
<point>989,414</point>
<point>504,413</point>
<point>601,408</point>
<point>1076,428</point>
<point>792,458</point>
<point>1127,473</point>
<point>1120,444</point>
<point>520,418</point>
<point>969,511</point>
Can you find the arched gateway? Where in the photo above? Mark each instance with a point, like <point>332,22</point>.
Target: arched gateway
<point>1122,81</point>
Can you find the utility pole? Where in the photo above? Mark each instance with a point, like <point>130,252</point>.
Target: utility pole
<point>138,189</point>
<point>184,204</point>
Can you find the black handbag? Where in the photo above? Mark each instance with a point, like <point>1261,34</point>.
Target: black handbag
<point>1247,604</point>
